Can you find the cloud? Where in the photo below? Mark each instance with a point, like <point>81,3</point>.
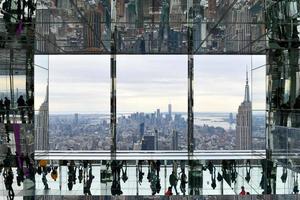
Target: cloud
<point>81,83</point>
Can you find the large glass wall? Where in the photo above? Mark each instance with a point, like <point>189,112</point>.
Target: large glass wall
<point>222,85</point>
<point>258,95</point>
<point>152,102</point>
<point>79,102</point>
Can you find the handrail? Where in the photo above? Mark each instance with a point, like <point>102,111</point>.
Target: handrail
<point>150,155</point>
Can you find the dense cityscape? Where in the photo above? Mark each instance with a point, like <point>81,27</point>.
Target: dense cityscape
<point>160,131</point>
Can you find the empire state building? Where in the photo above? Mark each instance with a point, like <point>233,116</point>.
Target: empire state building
<point>41,132</point>
<point>244,122</point>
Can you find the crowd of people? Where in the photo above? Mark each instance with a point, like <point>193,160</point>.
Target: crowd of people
<point>23,107</point>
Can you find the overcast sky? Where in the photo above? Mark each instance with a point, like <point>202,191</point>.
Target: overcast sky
<point>81,83</point>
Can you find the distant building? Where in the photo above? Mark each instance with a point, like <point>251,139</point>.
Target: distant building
<point>158,113</point>
<point>170,111</point>
<point>156,139</point>
<point>41,131</point>
<point>76,118</point>
<point>175,140</point>
<point>231,119</point>
<point>142,129</point>
<point>244,122</point>
<point>148,142</point>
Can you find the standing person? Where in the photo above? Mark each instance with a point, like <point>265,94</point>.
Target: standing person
<point>183,181</point>
<point>30,103</point>
<point>21,107</point>
<point>7,108</point>
<point>173,181</point>
<point>142,45</point>
<point>169,192</point>
<point>2,111</point>
<point>8,184</point>
<point>243,192</point>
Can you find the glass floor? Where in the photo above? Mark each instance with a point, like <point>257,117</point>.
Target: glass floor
<point>133,187</point>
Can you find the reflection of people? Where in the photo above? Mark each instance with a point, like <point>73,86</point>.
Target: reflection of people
<point>2,110</point>
<point>7,108</point>
<point>173,181</point>
<point>30,110</point>
<point>243,192</point>
<point>183,181</point>
<point>169,192</point>
<point>88,183</point>
<point>8,184</point>
<point>54,173</point>
<point>142,45</point>
<point>21,107</point>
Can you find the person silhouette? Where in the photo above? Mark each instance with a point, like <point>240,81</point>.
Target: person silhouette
<point>173,181</point>
<point>30,103</point>
<point>2,111</point>
<point>9,177</point>
<point>169,192</point>
<point>21,107</point>
<point>7,108</point>
<point>243,192</point>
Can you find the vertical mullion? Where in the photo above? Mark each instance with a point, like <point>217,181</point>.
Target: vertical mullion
<point>190,80</point>
<point>113,80</point>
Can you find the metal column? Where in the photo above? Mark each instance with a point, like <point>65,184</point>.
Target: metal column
<point>113,112</point>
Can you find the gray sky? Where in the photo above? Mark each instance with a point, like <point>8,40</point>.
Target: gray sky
<point>81,83</point>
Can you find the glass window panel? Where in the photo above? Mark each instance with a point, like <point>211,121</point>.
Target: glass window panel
<point>152,26</point>
<point>220,87</point>
<point>259,83</point>
<point>13,85</point>
<point>41,72</point>
<point>79,102</point>
<point>73,26</point>
<point>258,129</point>
<point>151,102</point>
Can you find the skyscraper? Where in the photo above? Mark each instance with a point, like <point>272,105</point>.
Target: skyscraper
<point>170,109</point>
<point>156,139</point>
<point>41,136</point>
<point>148,142</point>
<point>244,122</point>
<point>142,129</point>
<point>76,118</point>
<point>93,29</point>
<point>158,113</point>
<point>175,140</point>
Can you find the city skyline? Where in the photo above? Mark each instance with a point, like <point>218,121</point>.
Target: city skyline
<point>143,85</point>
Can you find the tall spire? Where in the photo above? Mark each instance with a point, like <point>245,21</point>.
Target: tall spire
<point>47,94</point>
<point>247,96</point>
